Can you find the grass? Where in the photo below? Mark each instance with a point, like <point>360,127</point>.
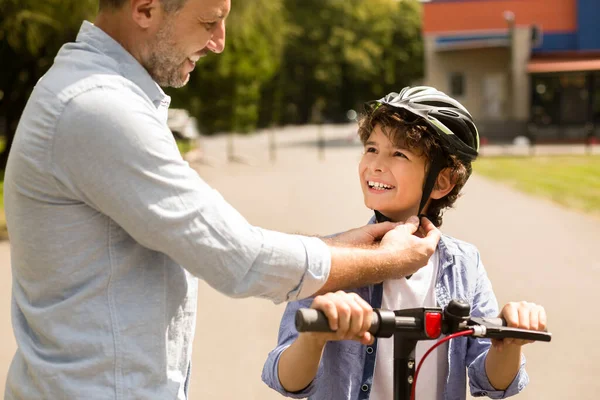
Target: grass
<point>185,145</point>
<point>573,181</point>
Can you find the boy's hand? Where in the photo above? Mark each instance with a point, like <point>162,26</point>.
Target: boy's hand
<point>348,314</point>
<point>521,315</point>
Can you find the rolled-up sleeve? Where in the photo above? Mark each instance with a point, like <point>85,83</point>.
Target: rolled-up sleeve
<point>113,153</point>
<point>481,386</point>
<point>486,305</point>
<point>287,335</point>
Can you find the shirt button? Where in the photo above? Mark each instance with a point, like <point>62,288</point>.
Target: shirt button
<point>369,350</point>
<point>364,388</point>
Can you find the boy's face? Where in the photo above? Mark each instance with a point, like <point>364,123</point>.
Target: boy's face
<point>391,177</point>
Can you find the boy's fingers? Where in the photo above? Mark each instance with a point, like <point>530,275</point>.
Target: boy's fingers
<point>356,312</point>
<point>511,315</point>
<point>344,312</point>
<point>524,314</point>
<point>543,324</point>
<point>326,305</point>
<point>367,312</point>
<point>534,322</point>
<point>367,339</point>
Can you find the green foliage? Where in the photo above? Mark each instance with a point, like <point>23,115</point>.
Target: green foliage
<point>31,33</point>
<point>31,26</point>
<point>286,61</point>
<point>343,52</point>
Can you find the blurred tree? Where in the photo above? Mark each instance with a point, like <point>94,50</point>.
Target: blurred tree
<point>283,58</point>
<point>347,51</point>
<point>31,33</point>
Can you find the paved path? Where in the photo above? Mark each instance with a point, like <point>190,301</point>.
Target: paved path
<point>532,249</point>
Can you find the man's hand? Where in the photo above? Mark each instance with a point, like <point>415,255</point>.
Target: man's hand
<point>410,245</point>
<point>364,236</point>
<point>400,253</point>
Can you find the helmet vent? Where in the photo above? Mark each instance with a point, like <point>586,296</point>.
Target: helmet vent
<point>449,113</point>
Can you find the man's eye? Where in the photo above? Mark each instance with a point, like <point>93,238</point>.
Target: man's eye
<point>210,25</point>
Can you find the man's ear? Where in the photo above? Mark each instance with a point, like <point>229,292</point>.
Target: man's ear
<point>146,12</point>
<point>443,184</point>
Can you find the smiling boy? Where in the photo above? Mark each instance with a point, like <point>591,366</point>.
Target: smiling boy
<point>418,149</point>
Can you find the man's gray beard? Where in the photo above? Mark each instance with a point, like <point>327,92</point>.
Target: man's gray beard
<point>165,72</point>
<point>164,63</point>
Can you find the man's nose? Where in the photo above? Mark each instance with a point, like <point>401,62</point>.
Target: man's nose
<point>217,41</point>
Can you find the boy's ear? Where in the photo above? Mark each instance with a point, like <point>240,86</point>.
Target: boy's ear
<point>443,185</point>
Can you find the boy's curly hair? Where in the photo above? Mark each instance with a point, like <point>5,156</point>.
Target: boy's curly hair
<point>412,133</point>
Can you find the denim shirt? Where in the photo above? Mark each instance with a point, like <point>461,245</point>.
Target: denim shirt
<point>110,229</point>
<point>346,368</point>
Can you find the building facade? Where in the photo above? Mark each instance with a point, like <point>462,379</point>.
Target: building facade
<point>522,67</point>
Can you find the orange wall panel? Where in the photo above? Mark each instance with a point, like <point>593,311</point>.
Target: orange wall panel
<point>485,15</point>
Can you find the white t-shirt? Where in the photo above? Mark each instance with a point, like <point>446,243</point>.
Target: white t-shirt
<point>418,291</point>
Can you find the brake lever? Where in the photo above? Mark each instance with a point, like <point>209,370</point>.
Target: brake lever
<point>494,330</point>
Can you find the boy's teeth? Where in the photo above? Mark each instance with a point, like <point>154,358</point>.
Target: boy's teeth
<point>379,185</point>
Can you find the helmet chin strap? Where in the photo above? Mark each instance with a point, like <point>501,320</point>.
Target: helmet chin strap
<point>436,166</point>
<point>379,217</point>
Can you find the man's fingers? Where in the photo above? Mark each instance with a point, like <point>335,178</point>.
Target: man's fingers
<point>411,225</point>
<point>379,230</point>
<point>431,233</point>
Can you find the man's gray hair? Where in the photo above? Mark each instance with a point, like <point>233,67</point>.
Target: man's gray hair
<point>168,5</point>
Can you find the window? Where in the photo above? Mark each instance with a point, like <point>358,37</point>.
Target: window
<point>457,84</point>
<point>575,98</point>
<point>561,99</point>
<point>545,99</point>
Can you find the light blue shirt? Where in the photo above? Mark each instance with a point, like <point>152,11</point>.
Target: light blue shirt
<point>346,368</point>
<point>109,229</point>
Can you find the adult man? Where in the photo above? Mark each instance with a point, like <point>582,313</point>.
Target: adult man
<point>109,226</point>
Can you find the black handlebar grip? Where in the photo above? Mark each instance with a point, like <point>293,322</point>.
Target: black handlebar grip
<point>311,320</point>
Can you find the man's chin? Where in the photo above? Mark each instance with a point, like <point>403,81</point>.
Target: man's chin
<point>178,83</point>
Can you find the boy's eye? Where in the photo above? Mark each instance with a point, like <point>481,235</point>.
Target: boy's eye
<point>370,150</point>
<point>400,154</point>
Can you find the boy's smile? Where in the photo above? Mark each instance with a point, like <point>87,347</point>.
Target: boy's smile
<point>379,187</point>
<point>391,177</point>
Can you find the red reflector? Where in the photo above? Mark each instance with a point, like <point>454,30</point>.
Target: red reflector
<point>433,324</point>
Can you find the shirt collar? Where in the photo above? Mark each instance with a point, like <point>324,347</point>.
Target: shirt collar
<point>127,65</point>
